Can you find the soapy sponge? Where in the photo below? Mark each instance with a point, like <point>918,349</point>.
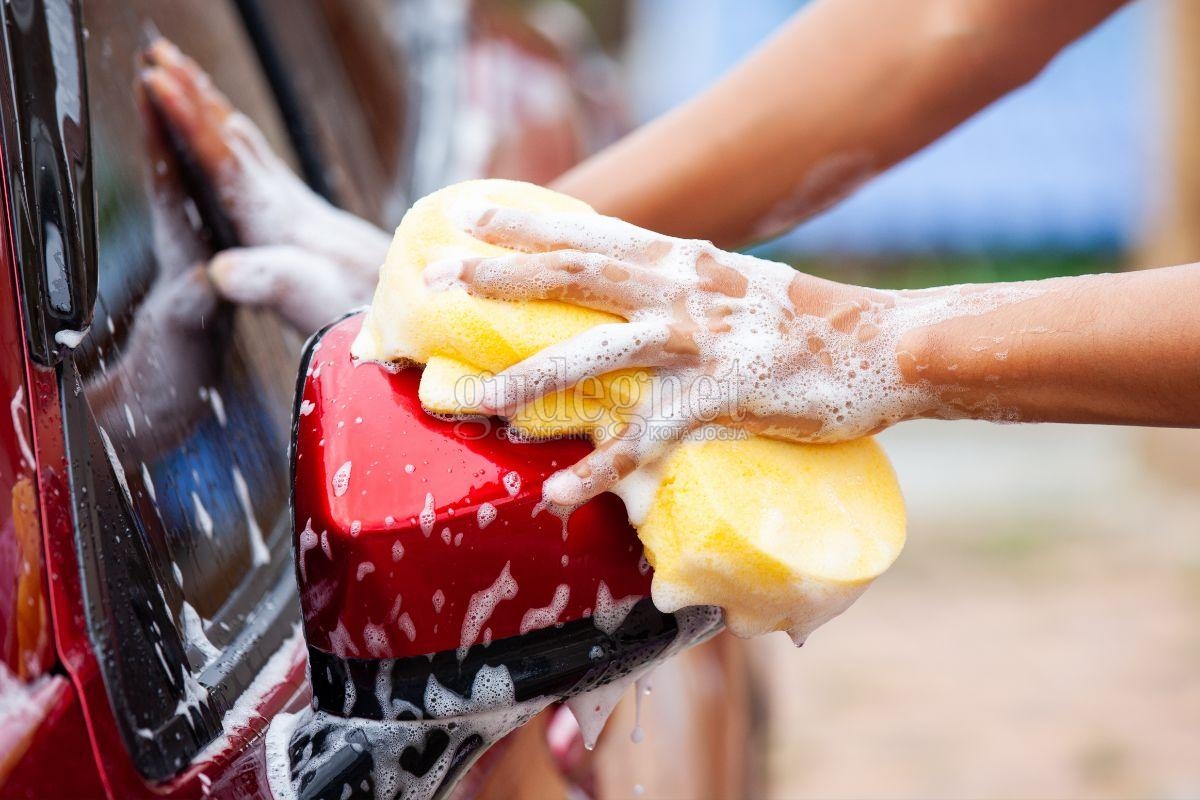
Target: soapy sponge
<point>781,535</point>
<point>458,336</point>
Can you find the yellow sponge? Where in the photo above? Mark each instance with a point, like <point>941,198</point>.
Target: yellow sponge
<point>458,336</point>
<point>783,536</point>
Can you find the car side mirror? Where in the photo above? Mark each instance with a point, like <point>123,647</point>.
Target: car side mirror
<point>443,606</point>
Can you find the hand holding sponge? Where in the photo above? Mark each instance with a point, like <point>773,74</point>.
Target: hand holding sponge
<point>781,535</point>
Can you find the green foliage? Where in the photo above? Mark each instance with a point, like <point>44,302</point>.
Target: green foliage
<point>934,269</point>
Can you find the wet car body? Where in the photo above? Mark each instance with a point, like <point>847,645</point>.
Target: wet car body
<point>148,610</point>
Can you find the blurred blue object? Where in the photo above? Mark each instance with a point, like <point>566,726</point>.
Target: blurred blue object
<point>1062,164</point>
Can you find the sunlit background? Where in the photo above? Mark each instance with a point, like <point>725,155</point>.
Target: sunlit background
<point>1040,636</point>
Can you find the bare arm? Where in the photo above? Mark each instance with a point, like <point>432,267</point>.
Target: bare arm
<point>754,344</point>
<point>299,255</point>
<point>1121,349</point>
<point>845,90</point>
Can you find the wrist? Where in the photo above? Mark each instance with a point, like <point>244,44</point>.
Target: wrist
<point>920,349</point>
<point>954,349</point>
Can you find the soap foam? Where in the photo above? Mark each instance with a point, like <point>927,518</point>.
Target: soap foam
<point>610,613</point>
<point>376,639</point>
<point>794,374</point>
<point>341,479</point>
<point>115,462</point>
<point>148,482</point>
<point>298,745</point>
<point>593,708</point>
<point>428,516</point>
<point>481,606</point>
<point>194,634</point>
<point>825,376</point>
<point>308,541</point>
<point>203,518</point>
<point>485,718</point>
<point>783,362</point>
<point>769,356</point>
<point>259,553</point>
<point>407,627</point>
<point>641,690</point>
<point>537,618</point>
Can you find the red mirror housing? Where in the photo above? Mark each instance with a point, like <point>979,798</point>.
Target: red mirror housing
<point>416,535</point>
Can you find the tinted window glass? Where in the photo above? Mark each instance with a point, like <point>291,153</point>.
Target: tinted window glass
<point>191,392</point>
<point>348,83</point>
<point>178,414</point>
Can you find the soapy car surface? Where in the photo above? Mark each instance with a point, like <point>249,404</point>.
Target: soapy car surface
<point>782,535</point>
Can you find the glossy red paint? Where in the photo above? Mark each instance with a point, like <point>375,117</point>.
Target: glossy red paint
<point>57,755</point>
<point>56,758</point>
<point>392,507</point>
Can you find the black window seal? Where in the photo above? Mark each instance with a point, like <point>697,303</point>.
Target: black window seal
<point>47,156</point>
<point>300,128</point>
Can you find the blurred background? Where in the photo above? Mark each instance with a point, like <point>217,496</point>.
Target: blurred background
<point>1040,636</point>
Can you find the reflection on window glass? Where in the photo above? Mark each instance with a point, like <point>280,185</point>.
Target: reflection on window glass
<point>349,83</point>
<point>192,396</point>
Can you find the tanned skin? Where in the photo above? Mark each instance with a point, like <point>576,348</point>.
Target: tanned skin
<point>844,90</point>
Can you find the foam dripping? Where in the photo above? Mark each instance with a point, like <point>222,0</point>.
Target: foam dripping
<point>481,606</point>
<point>592,709</point>
<point>457,730</point>
<point>641,690</point>
<point>418,749</point>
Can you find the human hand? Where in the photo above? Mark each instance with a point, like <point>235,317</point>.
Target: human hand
<point>299,255</point>
<point>731,339</point>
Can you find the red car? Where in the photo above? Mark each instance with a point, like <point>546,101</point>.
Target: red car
<point>149,624</point>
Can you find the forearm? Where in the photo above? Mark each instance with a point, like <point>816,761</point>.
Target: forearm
<point>845,90</point>
<point>1120,349</point>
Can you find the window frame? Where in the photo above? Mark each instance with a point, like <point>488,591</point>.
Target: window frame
<point>168,703</point>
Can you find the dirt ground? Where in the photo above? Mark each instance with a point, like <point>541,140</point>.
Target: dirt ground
<point>1039,637</point>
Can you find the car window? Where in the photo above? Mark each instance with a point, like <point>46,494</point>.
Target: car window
<point>346,84</point>
<point>383,85</point>
<point>176,408</point>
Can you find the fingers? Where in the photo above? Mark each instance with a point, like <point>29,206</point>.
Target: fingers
<point>188,102</point>
<point>639,441</point>
<point>595,352</point>
<point>306,289</point>
<point>544,232</point>
<point>223,141</point>
<point>583,279</point>
<point>177,312</point>
<point>257,190</point>
<point>186,301</point>
<point>305,258</point>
